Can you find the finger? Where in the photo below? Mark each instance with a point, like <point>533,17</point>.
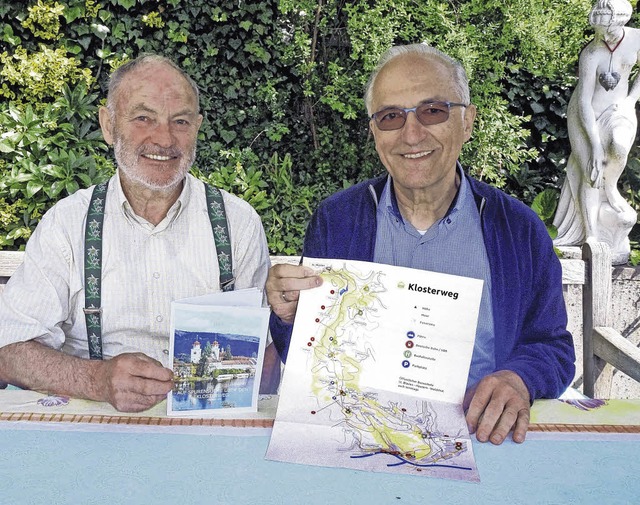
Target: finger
<point>148,368</point>
<point>522,426</point>
<point>487,423</point>
<point>138,365</point>
<point>133,402</point>
<point>290,278</point>
<point>290,271</point>
<point>498,430</point>
<point>479,401</point>
<point>511,418</point>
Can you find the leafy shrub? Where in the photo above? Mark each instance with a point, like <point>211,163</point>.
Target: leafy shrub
<point>46,155</point>
<point>282,84</point>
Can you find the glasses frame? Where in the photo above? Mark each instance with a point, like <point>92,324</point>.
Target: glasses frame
<point>406,111</point>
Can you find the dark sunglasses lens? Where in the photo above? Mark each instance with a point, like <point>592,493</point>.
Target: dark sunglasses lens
<point>390,119</point>
<point>432,113</point>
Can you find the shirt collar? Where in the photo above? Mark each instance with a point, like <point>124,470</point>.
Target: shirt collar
<point>175,210</point>
<point>390,202</point>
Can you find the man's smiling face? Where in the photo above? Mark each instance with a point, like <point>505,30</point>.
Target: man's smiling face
<point>154,127</point>
<point>420,158</point>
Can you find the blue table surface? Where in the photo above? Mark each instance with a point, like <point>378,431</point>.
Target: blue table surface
<point>75,467</point>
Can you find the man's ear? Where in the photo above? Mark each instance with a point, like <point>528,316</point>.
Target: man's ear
<point>105,124</point>
<point>372,129</point>
<point>469,119</point>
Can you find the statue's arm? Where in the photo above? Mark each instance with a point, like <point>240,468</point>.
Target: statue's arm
<point>593,150</point>
<point>584,91</point>
<point>634,88</point>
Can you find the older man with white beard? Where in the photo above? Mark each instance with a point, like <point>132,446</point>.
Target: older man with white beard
<point>158,246</point>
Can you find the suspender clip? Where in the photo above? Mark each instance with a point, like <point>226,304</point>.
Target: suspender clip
<point>92,310</point>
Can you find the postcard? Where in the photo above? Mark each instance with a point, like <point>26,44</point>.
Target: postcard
<point>217,342</point>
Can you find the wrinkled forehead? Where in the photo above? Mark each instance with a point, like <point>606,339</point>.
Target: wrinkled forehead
<point>154,82</point>
<point>413,74</point>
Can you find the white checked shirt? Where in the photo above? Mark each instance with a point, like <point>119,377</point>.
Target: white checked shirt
<point>144,268</point>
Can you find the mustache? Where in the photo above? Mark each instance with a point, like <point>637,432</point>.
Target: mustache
<point>172,152</point>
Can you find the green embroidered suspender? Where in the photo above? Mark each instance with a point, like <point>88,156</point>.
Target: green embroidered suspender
<point>93,257</point>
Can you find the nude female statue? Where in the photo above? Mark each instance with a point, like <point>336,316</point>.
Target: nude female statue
<point>602,124</point>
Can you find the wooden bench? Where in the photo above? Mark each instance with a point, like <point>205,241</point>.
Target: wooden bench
<point>600,348</point>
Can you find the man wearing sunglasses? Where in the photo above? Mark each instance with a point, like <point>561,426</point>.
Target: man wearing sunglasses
<point>427,213</point>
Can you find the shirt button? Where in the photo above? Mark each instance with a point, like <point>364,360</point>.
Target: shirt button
<point>166,351</point>
<point>448,220</point>
<point>156,275</point>
<point>159,318</point>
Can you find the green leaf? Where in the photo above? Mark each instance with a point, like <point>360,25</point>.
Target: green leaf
<point>127,4</point>
<point>228,136</point>
<point>73,13</point>
<point>71,187</point>
<point>6,147</point>
<point>545,203</point>
<point>56,188</point>
<point>32,188</point>
<point>99,31</point>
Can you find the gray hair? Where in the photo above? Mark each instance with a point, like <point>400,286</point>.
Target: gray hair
<point>460,80</point>
<point>121,72</point>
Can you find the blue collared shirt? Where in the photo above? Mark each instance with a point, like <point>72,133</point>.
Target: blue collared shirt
<point>453,245</point>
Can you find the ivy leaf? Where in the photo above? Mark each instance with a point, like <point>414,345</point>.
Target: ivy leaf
<point>228,136</point>
<point>99,31</point>
<point>127,4</point>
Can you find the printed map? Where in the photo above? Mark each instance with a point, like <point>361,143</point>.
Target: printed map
<point>363,371</point>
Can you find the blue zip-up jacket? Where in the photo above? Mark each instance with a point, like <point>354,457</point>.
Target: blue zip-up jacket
<point>529,313</point>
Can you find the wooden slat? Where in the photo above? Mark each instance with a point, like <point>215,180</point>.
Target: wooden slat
<point>151,421</point>
<point>9,261</point>
<point>616,350</point>
<point>596,303</point>
<point>573,271</point>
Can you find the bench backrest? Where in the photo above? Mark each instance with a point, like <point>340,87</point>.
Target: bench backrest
<point>586,278</point>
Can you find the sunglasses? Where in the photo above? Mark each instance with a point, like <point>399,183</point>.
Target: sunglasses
<point>428,113</point>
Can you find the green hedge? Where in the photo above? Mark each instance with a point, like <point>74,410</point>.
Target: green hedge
<point>282,86</point>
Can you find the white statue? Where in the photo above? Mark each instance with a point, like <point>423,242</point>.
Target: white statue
<point>602,123</point>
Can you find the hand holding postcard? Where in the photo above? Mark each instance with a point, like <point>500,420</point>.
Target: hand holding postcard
<point>377,371</point>
<point>217,342</point>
